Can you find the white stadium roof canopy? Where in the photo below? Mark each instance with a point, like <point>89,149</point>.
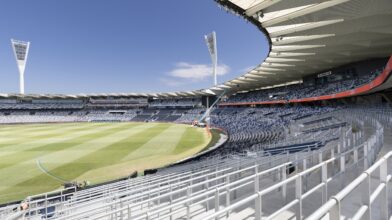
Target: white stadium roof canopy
<point>312,36</point>
<point>305,36</point>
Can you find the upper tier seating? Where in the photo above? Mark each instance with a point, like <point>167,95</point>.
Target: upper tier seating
<point>299,91</point>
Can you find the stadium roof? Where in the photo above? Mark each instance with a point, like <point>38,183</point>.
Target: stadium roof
<point>196,93</point>
<point>305,36</point>
<point>312,36</point>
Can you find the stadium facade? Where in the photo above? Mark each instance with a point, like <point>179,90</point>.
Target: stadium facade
<point>308,127</point>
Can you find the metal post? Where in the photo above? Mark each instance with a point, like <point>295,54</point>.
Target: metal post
<point>365,155</point>
<point>188,207</point>
<point>216,201</point>
<point>320,157</point>
<point>206,188</point>
<point>324,177</point>
<point>384,212</point>
<point>257,184</point>
<point>129,212</point>
<point>258,207</point>
<point>334,213</point>
<point>171,200</point>
<point>227,195</point>
<point>298,195</point>
<point>284,187</point>
<point>366,197</point>
<point>342,170</point>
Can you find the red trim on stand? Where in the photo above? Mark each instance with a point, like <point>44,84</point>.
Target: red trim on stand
<point>380,79</point>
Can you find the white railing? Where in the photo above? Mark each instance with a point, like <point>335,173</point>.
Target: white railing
<point>292,158</point>
<point>369,149</point>
<point>371,187</point>
<point>166,210</point>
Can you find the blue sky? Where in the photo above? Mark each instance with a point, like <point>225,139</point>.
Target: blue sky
<point>96,46</point>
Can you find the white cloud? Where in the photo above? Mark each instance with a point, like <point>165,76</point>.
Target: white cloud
<point>196,72</point>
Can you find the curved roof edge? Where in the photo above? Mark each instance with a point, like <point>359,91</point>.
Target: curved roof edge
<point>241,12</point>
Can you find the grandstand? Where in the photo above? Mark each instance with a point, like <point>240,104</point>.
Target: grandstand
<point>306,134</point>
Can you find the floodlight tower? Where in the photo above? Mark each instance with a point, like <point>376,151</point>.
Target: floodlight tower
<point>21,50</point>
<point>211,44</point>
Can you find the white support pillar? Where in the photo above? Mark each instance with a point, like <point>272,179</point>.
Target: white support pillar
<point>21,83</point>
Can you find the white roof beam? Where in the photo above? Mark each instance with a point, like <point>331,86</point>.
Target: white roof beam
<point>217,88</point>
<point>264,73</point>
<point>239,81</point>
<point>295,28</point>
<point>268,69</point>
<point>282,60</point>
<point>260,6</point>
<point>270,64</point>
<point>190,93</point>
<point>231,84</point>
<point>293,47</point>
<point>244,78</point>
<point>224,87</point>
<point>295,39</point>
<point>172,94</point>
<point>298,12</point>
<point>254,76</point>
<point>181,94</point>
<point>289,54</point>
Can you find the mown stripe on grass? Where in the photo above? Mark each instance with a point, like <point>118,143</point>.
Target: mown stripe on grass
<point>40,182</point>
<point>19,138</point>
<point>10,127</point>
<point>66,136</point>
<point>31,137</point>
<point>123,168</point>
<point>34,127</point>
<point>18,157</point>
<point>91,152</point>
<point>103,157</point>
<point>189,140</point>
<point>163,143</point>
<point>108,155</point>
<point>59,158</point>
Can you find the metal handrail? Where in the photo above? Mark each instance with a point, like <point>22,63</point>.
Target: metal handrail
<point>333,205</point>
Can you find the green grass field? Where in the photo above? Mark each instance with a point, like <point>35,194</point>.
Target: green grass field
<point>95,152</point>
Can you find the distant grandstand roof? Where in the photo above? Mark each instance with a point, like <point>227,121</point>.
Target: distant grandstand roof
<point>197,93</point>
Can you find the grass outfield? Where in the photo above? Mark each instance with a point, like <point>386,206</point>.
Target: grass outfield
<point>95,152</point>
